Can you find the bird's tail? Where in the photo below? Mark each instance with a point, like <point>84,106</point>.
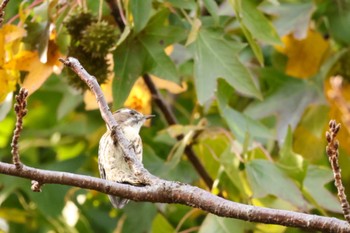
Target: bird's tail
<point>118,202</point>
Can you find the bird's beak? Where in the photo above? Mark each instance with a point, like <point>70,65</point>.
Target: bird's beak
<point>149,116</point>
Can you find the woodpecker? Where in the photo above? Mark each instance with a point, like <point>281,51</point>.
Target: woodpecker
<point>112,165</point>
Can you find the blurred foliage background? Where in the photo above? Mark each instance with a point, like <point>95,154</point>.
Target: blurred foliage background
<point>249,82</point>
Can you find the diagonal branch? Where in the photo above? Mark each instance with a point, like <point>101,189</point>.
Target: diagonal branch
<point>129,155</point>
<point>175,192</point>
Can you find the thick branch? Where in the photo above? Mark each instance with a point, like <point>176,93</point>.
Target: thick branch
<point>174,192</point>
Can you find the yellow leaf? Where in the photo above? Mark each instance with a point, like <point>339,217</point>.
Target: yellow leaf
<point>12,32</point>
<point>304,56</point>
<point>168,85</point>
<point>8,81</point>
<point>139,97</point>
<point>39,72</point>
<point>22,61</point>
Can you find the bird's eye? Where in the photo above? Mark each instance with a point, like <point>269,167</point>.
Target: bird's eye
<point>132,113</point>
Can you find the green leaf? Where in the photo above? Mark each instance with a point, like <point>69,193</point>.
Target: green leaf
<point>257,24</point>
<point>295,93</point>
<point>240,124</point>
<point>141,12</point>
<point>160,220</point>
<point>145,53</point>
<point>230,162</point>
<point>290,17</point>
<point>51,201</point>
<point>158,63</point>
<point>314,183</point>
<point>266,178</point>
<point>128,66</point>
<point>212,8</point>
<point>292,163</point>
<point>339,19</point>
<point>140,217</point>
<point>184,4</point>
<point>213,223</point>
<point>159,29</point>
<point>215,57</point>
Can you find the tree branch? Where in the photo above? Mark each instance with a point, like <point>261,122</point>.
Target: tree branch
<point>135,165</point>
<point>2,10</point>
<point>333,154</point>
<point>174,192</point>
<point>21,111</point>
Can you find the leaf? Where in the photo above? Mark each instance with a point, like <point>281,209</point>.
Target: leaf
<point>292,163</point>
<point>338,18</point>
<point>139,217</point>
<point>5,106</point>
<point>213,223</point>
<point>140,99</point>
<point>160,220</point>
<point>159,63</point>
<point>305,56</point>
<point>128,66</point>
<point>171,87</point>
<point>266,179</point>
<point>290,17</point>
<point>230,162</point>
<point>257,24</point>
<point>50,202</point>
<point>145,54</point>
<point>212,8</point>
<point>314,183</point>
<point>39,72</point>
<point>141,12</point>
<point>240,124</point>
<point>184,4</point>
<point>215,57</point>
<point>295,93</point>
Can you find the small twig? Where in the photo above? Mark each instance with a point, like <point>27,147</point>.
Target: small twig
<point>333,154</point>
<point>36,186</point>
<point>2,10</point>
<point>129,155</point>
<point>21,111</point>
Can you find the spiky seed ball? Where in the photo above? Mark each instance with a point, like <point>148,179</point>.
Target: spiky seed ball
<point>78,21</point>
<point>96,66</point>
<point>98,38</point>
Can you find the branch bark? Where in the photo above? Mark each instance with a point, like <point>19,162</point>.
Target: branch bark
<point>174,192</point>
